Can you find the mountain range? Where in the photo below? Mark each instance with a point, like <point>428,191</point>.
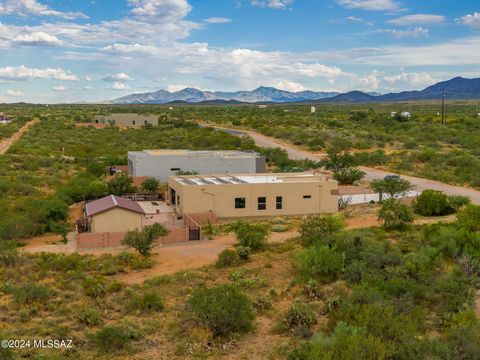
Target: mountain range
<point>456,88</point>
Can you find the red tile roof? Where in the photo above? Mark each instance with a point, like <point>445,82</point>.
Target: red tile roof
<point>111,202</point>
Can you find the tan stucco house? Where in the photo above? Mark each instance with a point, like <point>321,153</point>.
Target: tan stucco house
<point>113,214</point>
<point>253,195</point>
<point>128,120</point>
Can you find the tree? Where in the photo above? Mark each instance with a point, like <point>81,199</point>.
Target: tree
<point>151,185</point>
<point>253,236</point>
<point>319,230</point>
<point>143,241</point>
<point>395,215</point>
<point>224,309</point>
<point>393,187</point>
<point>121,184</point>
<point>318,262</point>
<point>342,166</point>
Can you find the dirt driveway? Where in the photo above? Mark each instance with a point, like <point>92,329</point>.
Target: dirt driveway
<point>6,143</point>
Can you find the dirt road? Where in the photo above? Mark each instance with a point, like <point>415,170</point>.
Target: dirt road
<point>296,153</point>
<point>6,143</point>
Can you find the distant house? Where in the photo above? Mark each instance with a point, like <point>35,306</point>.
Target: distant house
<point>262,106</point>
<point>313,110</point>
<point>4,119</point>
<point>113,214</point>
<point>393,114</point>
<point>129,120</point>
<point>406,115</point>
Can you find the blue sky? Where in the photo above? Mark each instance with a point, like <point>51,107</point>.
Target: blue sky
<point>74,50</point>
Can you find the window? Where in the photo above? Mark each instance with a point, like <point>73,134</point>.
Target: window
<point>307,196</point>
<point>133,122</point>
<point>262,203</point>
<point>279,203</point>
<point>175,169</point>
<point>146,122</point>
<point>240,203</point>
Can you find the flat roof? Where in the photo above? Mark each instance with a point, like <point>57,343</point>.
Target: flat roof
<point>129,115</point>
<point>266,178</point>
<point>198,154</point>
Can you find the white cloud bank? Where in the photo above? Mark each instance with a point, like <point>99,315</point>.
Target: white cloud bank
<point>22,73</point>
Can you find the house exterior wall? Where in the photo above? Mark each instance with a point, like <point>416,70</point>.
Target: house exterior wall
<point>116,220</point>
<point>161,167</point>
<point>131,120</point>
<point>321,197</point>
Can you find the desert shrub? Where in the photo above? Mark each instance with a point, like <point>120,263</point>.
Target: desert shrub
<point>278,220</point>
<point>313,290</point>
<point>28,294</point>
<point>121,184</point>
<point>143,241</point>
<point>224,309</point>
<point>347,343</point>
<point>94,287</point>
<point>228,257</point>
<point>90,317</point>
<point>463,334</point>
<point>146,302</point>
<point>470,217</point>
<point>141,262</point>
<point>393,187</point>
<point>395,215</point>
<point>262,303</point>
<point>279,228</point>
<point>348,176</point>
<point>151,185</point>
<point>243,252</point>
<point>321,263</point>
<point>114,338</point>
<point>253,236</point>
<point>458,201</point>
<point>9,257</point>
<point>298,320</point>
<point>320,229</point>
<point>432,203</point>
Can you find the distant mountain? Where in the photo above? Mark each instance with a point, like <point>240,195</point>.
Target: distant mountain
<point>456,88</point>
<point>191,95</point>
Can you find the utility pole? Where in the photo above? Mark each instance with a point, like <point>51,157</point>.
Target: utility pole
<point>443,108</point>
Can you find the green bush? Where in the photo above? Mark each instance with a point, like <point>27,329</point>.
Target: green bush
<point>146,302</point>
<point>28,294</point>
<point>262,303</point>
<point>321,262</point>
<point>224,309</point>
<point>253,236</point>
<point>143,241</point>
<point>9,257</point>
<point>298,320</point>
<point>90,317</point>
<point>228,257</point>
<point>348,176</point>
<point>278,220</point>
<point>243,252</point>
<point>395,215</point>
<point>433,203</point>
<point>94,287</point>
<point>279,228</point>
<point>470,217</point>
<point>320,229</point>
<point>114,338</point>
<point>457,201</point>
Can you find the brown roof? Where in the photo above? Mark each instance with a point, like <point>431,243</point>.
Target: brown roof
<point>111,202</point>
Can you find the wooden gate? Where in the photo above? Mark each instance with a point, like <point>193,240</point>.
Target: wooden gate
<point>193,233</point>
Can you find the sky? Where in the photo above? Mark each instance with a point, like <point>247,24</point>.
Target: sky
<point>54,51</point>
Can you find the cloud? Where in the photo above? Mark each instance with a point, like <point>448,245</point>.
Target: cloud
<point>120,86</point>
<point>400,34</point>
<point>130,48</point>
<point>410,80</point>
<point>273,4</point>
<point>38,38</point>
<point>88,87</point>
<point>289,86</point>
<point>175,88</point>
<point>22,73</point>
<point>160,11</point>
<point>118,77</point>
<point>59,88</point>
<point>218,20</point>
<point>13,93</point>
<point>418,19</point>
<point>375,5</point>
<point>33,7</point>
<point>472,20</point>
